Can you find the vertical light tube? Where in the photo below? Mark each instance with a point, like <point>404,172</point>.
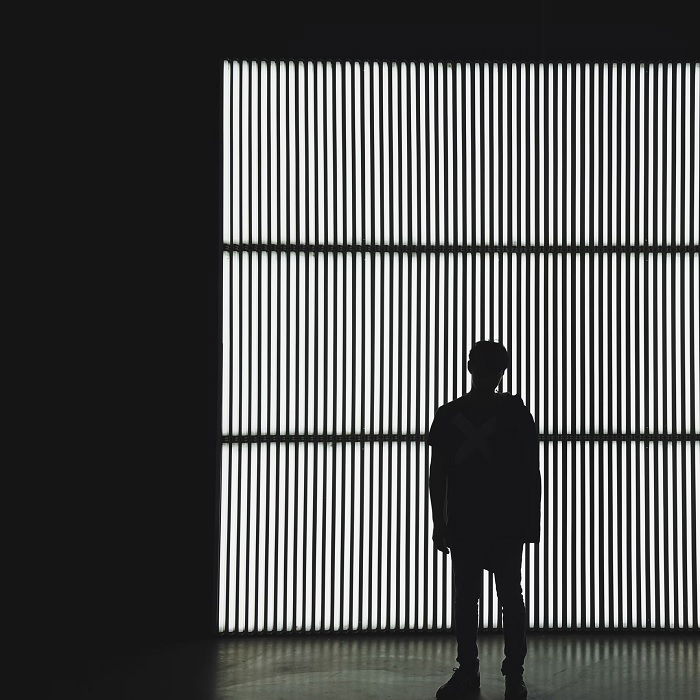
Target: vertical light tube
<point>579,581</point>
<point>693,554</point>
<point>367,567</point>
<point>236,130</point>
<point>226,334</point>
<point>224,532</point>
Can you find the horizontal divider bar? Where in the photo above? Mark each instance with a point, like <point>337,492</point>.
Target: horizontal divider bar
<point>420,437</point>
<point>457,248</point>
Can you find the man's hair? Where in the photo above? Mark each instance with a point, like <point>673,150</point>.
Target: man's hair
<point>489,355</point>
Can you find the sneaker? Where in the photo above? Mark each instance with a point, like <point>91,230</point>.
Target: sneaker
<point>460,685</point>
<point>515,687</point>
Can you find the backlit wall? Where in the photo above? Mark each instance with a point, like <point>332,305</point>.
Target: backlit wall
<point>379,218</point>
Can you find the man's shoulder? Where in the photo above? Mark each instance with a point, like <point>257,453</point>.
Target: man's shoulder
<point>451,405</point>
<point>509,401</point>
<point>505,396</point>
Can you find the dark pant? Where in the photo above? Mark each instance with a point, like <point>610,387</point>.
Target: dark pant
<point>503,557</point>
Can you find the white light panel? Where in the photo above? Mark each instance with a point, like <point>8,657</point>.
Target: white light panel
<point>379,218</point>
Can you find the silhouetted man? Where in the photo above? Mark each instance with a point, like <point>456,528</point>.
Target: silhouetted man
<point>485,492</point>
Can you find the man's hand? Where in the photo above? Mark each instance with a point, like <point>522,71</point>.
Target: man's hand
<point>440,538</point>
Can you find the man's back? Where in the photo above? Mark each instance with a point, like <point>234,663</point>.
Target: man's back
<point>489,447</point>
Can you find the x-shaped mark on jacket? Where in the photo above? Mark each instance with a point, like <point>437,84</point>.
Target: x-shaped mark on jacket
<point>474,437</point>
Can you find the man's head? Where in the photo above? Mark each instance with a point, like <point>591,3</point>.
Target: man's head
<point>488,360</point>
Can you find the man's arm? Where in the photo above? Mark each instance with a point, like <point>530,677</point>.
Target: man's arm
<point>438,486</point>
<point>533,485</point>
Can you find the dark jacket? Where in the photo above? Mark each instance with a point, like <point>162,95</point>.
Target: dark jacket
<point>491,455</point>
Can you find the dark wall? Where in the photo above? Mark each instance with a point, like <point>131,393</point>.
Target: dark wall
<point>528,35</point>
<point>125,531</point>
<point>122,467</point>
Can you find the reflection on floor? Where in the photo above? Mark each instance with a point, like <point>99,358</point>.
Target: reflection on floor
<point>565,666</point>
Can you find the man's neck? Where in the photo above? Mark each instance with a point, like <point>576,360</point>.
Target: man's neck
<point>482,393</point>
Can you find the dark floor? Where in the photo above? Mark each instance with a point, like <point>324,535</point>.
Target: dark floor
<point>566,666</point>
